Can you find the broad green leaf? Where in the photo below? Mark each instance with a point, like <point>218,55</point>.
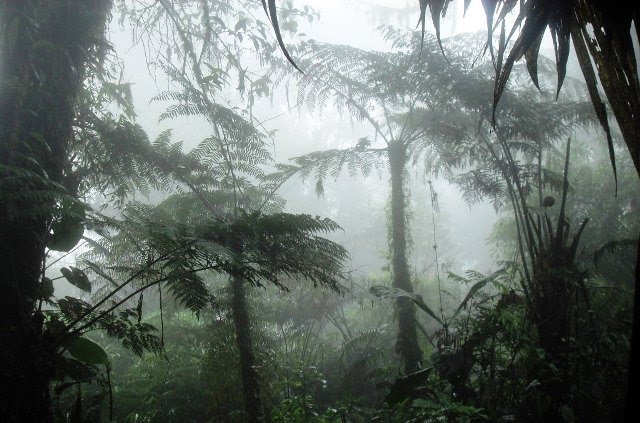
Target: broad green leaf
<point>241,25</point>
<point>77,278</point>
<point>474,289</point>
<point>417,299</point>
<point>75,370</point>
<point>96,268</point>
<point>66,236</point>
<point>476,286</point>
<point>388,292</point>
<point>54,326</point>
<point>88,352</point>
<point>69,228</point>
<point>46,288</point>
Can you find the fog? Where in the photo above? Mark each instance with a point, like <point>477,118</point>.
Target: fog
<point>300,132</point>
<point>405,229</point>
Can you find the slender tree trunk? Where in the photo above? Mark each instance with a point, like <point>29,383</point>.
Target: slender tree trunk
<point>250,378</point>
<point>407,344</point>
<point>45,45</point>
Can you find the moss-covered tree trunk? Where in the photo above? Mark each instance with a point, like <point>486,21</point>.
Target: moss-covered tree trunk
<point>248,371</point>
<point>407,344</point>
<point>44,48</point>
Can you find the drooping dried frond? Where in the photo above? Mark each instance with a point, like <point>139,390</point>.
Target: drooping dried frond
<point>602,37</point>
<point>216,36</point>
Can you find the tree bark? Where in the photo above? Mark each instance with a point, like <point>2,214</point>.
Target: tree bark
<point>45,46</point>
<point>249,374</point>
<point>407,344</point>
<point>556,279</point>
<point>631,411</point>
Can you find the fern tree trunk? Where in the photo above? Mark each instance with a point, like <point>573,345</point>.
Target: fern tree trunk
<point>249,374</point>
<point>44,48</point>
<point>407,344</point>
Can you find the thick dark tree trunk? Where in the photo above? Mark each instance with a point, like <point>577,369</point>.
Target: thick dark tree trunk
<point>45,45</point>
<point>250,378</point>
<point>407,344</point>
<point>631,408</point>
<point>554,307</point>
<point>616,65</point>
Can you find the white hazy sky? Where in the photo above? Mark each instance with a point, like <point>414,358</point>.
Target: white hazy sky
<point>353,22</point>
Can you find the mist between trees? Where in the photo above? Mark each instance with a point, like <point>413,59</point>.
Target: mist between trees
<point>217,211</point>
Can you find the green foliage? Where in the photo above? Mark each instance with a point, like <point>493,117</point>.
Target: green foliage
<point>77,278</point>
<point>272,245</point>
<point>566,23</point>
<point>492,357</point>
<point>68,228</point>
<point>297,392</point>
<point>135,335</point>
<point>478,281</point>
<point>88,352</point>
<point>221,368</point>
<point>301,409</point>
<point>230,41</point>
<point>169,387</point>
<point>124,325</point>
<point>388,292</point>
<point>341,345</point>
<point>46,289</point>
<point>224,221</point>
<point>29,188</point>
<point>432,409</point>
<point>322,164</point>
<point>116,159</point>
